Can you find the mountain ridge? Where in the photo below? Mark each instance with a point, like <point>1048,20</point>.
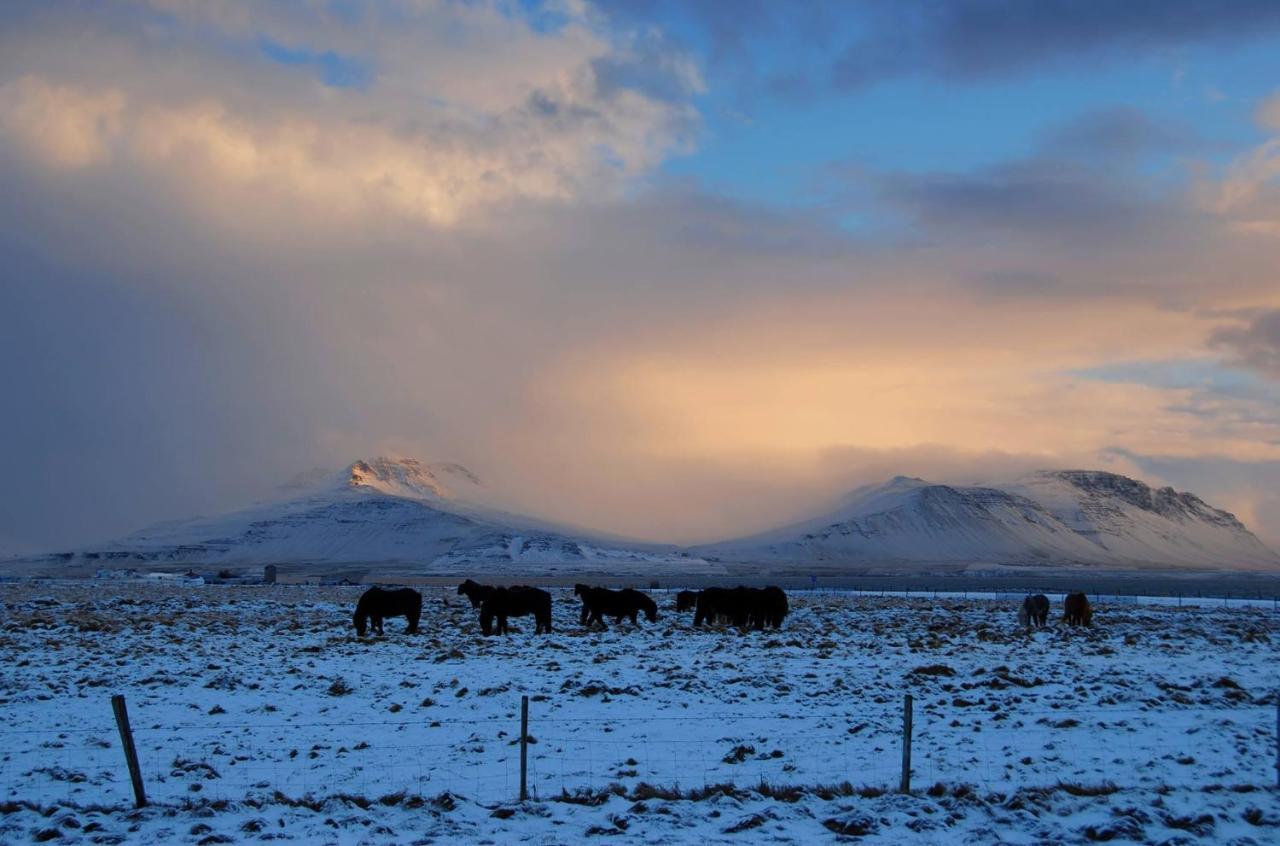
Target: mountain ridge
<point>437,518</point>
<point>1069,517</point>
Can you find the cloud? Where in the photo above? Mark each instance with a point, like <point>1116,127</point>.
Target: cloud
<point>1120,134</point>
<point>982,39</point>
<point>220,268</point>
<point>58,125</point>
<point>1267,114</point>
<point>1054,198</point>
<point>553,116</point>
<point>842,48</point>
<point>1254,344</point>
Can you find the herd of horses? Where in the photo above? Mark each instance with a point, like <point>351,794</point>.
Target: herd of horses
<point>743,607</point>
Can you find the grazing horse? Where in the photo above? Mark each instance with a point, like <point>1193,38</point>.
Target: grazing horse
<point>515,602</point>
<point>742,606</point>
<point>475,592</point>
<point>377,603</point>
<point>1078,612</point>
<point>719,604</point>
<point>772,607</point>
<point>686,600</point>
<point>598,603</point>
<point>1034,610</point>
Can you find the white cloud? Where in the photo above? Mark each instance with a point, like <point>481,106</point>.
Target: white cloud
<point>469,109</point>
<point>58,125</point>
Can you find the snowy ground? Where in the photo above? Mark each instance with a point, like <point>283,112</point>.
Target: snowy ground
<point>259,715</point>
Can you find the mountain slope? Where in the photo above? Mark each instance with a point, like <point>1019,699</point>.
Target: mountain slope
<point>397,513</point>
<point>1053,517</point>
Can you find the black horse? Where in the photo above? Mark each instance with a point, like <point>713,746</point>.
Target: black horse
<point>1034,610</point>
<point>686,600</point>
<point>598,603</point>
<point>1077,610</point>
<point>772,606</point>
<point>743,607</point>
<point>475,592</point>
<point>515,602</point>
<point>377,603</point>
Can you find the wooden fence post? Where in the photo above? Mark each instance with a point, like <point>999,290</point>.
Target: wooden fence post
<point>524,748</point>
<point>130,751</point>
<point>905,785</point>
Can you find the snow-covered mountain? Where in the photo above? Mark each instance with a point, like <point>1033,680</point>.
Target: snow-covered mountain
<point>1060,517</point>
<point>387,514</point>
<point>402,515</point>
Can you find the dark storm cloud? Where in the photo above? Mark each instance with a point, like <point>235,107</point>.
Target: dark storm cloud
<point>1120,133</point>
<point>975,39</point>
<point>1052,198</point>
<point>1255,343</point>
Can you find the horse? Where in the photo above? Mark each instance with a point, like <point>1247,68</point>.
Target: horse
<point>773,607</point>
<point>515,602</point>
<point>744,607</point>
<point>719,604</point>
<point>580,590</point>
<point>377,603</point>
<point>686,600</point>
<point>475,592</point>
<point>598,603</point>
<point>1078,612</point>
<point>1034,610</point>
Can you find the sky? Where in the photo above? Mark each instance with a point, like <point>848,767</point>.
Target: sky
<point>672,270</point>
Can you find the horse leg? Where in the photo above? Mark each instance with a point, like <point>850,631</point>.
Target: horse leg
<point>376,624</point>
<point>413,621</point>
<point>586,612</point>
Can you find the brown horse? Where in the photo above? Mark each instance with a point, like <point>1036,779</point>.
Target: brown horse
<point>1077,610</point>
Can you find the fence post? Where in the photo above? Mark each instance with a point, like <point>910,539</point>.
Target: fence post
<point>905,785</point>
<point>130,751</point>
<point>524,748</point>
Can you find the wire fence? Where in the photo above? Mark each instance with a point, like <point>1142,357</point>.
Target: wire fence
<point>594,750</point>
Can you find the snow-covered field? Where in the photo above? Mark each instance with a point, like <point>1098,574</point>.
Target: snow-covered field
<point>258,715</point>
